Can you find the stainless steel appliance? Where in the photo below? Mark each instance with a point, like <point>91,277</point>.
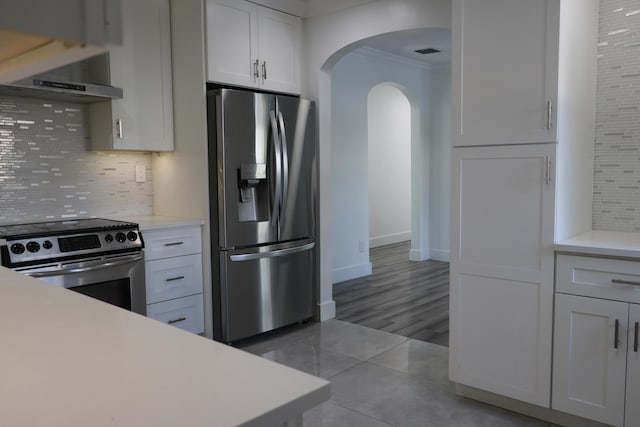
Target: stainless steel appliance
<point>261,171</point>
<point>97,257</point>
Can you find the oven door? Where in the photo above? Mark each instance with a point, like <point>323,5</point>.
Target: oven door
<point>118,280</point>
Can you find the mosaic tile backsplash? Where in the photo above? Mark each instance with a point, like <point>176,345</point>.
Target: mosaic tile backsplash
<point>616,187</point>
<point>48,173</point>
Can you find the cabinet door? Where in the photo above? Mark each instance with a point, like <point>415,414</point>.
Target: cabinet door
<point>588,369</point>
<point>502,270</point>
<point>632,409</point>
<point>232,42</point>
<point>143,119</point>
<point>505,71</point>
<point>279,45</point>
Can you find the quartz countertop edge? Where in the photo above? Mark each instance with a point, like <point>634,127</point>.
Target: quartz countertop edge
<point>602,243</point>
<point>70,360</point>
<point>160,222</point>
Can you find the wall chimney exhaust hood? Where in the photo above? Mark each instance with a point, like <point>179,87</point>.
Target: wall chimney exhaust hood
<point>40,35</point>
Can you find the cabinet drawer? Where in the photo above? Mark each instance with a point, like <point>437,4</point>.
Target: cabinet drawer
<point>612,279</point>
<point>185,313</point>
<point>169,243</point>
<point>173,278</point>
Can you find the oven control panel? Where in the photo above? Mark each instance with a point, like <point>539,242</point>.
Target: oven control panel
<point>52,247</point>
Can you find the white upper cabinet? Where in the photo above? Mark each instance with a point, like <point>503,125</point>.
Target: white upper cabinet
<point>143,119</point>
<point>253,46</point>
<point>505,71</point>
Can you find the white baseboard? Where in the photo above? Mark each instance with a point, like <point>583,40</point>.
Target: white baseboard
<point>352,272</point>
<point>327,310</point>
<point>419,254</point>
<point>439,255</point>
<point>389,239</point>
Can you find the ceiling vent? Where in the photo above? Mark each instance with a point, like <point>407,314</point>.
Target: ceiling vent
<point>426,51</point>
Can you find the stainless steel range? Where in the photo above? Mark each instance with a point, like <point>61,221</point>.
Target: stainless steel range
<point>97,257</point>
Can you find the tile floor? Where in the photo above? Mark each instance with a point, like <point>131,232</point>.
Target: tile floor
<point>378,378</point>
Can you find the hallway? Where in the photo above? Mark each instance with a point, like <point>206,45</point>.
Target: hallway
<point>402,297</point>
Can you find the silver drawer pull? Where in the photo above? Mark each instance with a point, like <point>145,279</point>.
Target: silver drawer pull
<point>624,282</point>
<point>179,319</point>
<point>173,279</point>
<point>174,244</point>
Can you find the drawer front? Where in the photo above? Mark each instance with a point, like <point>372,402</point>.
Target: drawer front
<point>173,278</point>
<point>612,279</point>
<point>185,313</point>
<point>169,243</point>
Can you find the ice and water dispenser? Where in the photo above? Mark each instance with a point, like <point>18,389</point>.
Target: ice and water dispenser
<point>253,202</point>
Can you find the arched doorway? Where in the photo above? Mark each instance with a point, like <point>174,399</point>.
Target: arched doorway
<point>389,165</point>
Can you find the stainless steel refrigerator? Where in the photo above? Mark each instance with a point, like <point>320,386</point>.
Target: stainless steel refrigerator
<point>262,203</point>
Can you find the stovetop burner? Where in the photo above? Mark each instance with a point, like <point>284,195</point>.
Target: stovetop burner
<point>42,242</point>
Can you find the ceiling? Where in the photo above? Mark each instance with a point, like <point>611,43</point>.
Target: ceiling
<point>405,43</point>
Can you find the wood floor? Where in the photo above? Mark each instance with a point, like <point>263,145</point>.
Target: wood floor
<point>401,296</point>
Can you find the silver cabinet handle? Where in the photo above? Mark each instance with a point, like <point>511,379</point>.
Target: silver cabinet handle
<point>616,334</point>
<point>119,132</point>
<point>264,70</point>
<point>174,244</point>
<point>624,282</point>
<point>272,254</point>
<point>173,279</point>
<point>179,319</point>
<point>547,170</point>
<point>635,337</point>
<point>256,73</point>
<point>549,114</point>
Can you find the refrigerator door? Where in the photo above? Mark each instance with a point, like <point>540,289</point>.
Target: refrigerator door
<point>242,157</point>
<point>265,288</point>
<point>296,120</point>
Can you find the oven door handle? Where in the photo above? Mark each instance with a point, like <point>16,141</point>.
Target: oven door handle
<point>99,265</point>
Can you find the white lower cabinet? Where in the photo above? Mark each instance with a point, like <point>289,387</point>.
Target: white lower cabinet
<point>596,363</point>
<point>502,270</point>
<point>173,277</point>
<point>185,313</point>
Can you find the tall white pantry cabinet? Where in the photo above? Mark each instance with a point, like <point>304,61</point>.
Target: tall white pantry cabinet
<point>523,122</point>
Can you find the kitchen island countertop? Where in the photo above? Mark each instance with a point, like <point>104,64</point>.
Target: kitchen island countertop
<point>69,360</point>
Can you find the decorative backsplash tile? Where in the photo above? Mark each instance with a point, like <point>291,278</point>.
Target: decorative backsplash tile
<point>48,173</point>
<point>616,186</point>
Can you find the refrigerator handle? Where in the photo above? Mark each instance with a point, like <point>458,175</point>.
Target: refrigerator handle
<point>272,254</point>
<point>285,166</point>
<point>277,198</point>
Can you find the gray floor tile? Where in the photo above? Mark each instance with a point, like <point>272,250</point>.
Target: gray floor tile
<point>421,360</point>
<point>398,399</point>
<point>332,415</point>
<point>354,340</point>
<point>311,359</point>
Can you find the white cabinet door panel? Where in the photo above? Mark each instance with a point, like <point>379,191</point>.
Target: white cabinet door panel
<point>279,44</point>
<point>589,372</point>
<point>632,409</point>
<point>505,70</point>
<point>502,270</point>
<point>232,47</point>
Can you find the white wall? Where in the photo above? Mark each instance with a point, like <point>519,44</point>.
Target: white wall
<point>389,165</point>
<point>327,38</point>
<point>439,161</point>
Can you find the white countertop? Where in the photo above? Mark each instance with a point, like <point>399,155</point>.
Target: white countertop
<point>68,360</point>
<point>605,243</point>
<point>158,222</point>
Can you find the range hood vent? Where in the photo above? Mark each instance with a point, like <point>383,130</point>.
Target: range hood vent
<point>61,90</point>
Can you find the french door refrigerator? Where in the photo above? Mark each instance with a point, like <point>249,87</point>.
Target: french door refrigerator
<point>262,205</point>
